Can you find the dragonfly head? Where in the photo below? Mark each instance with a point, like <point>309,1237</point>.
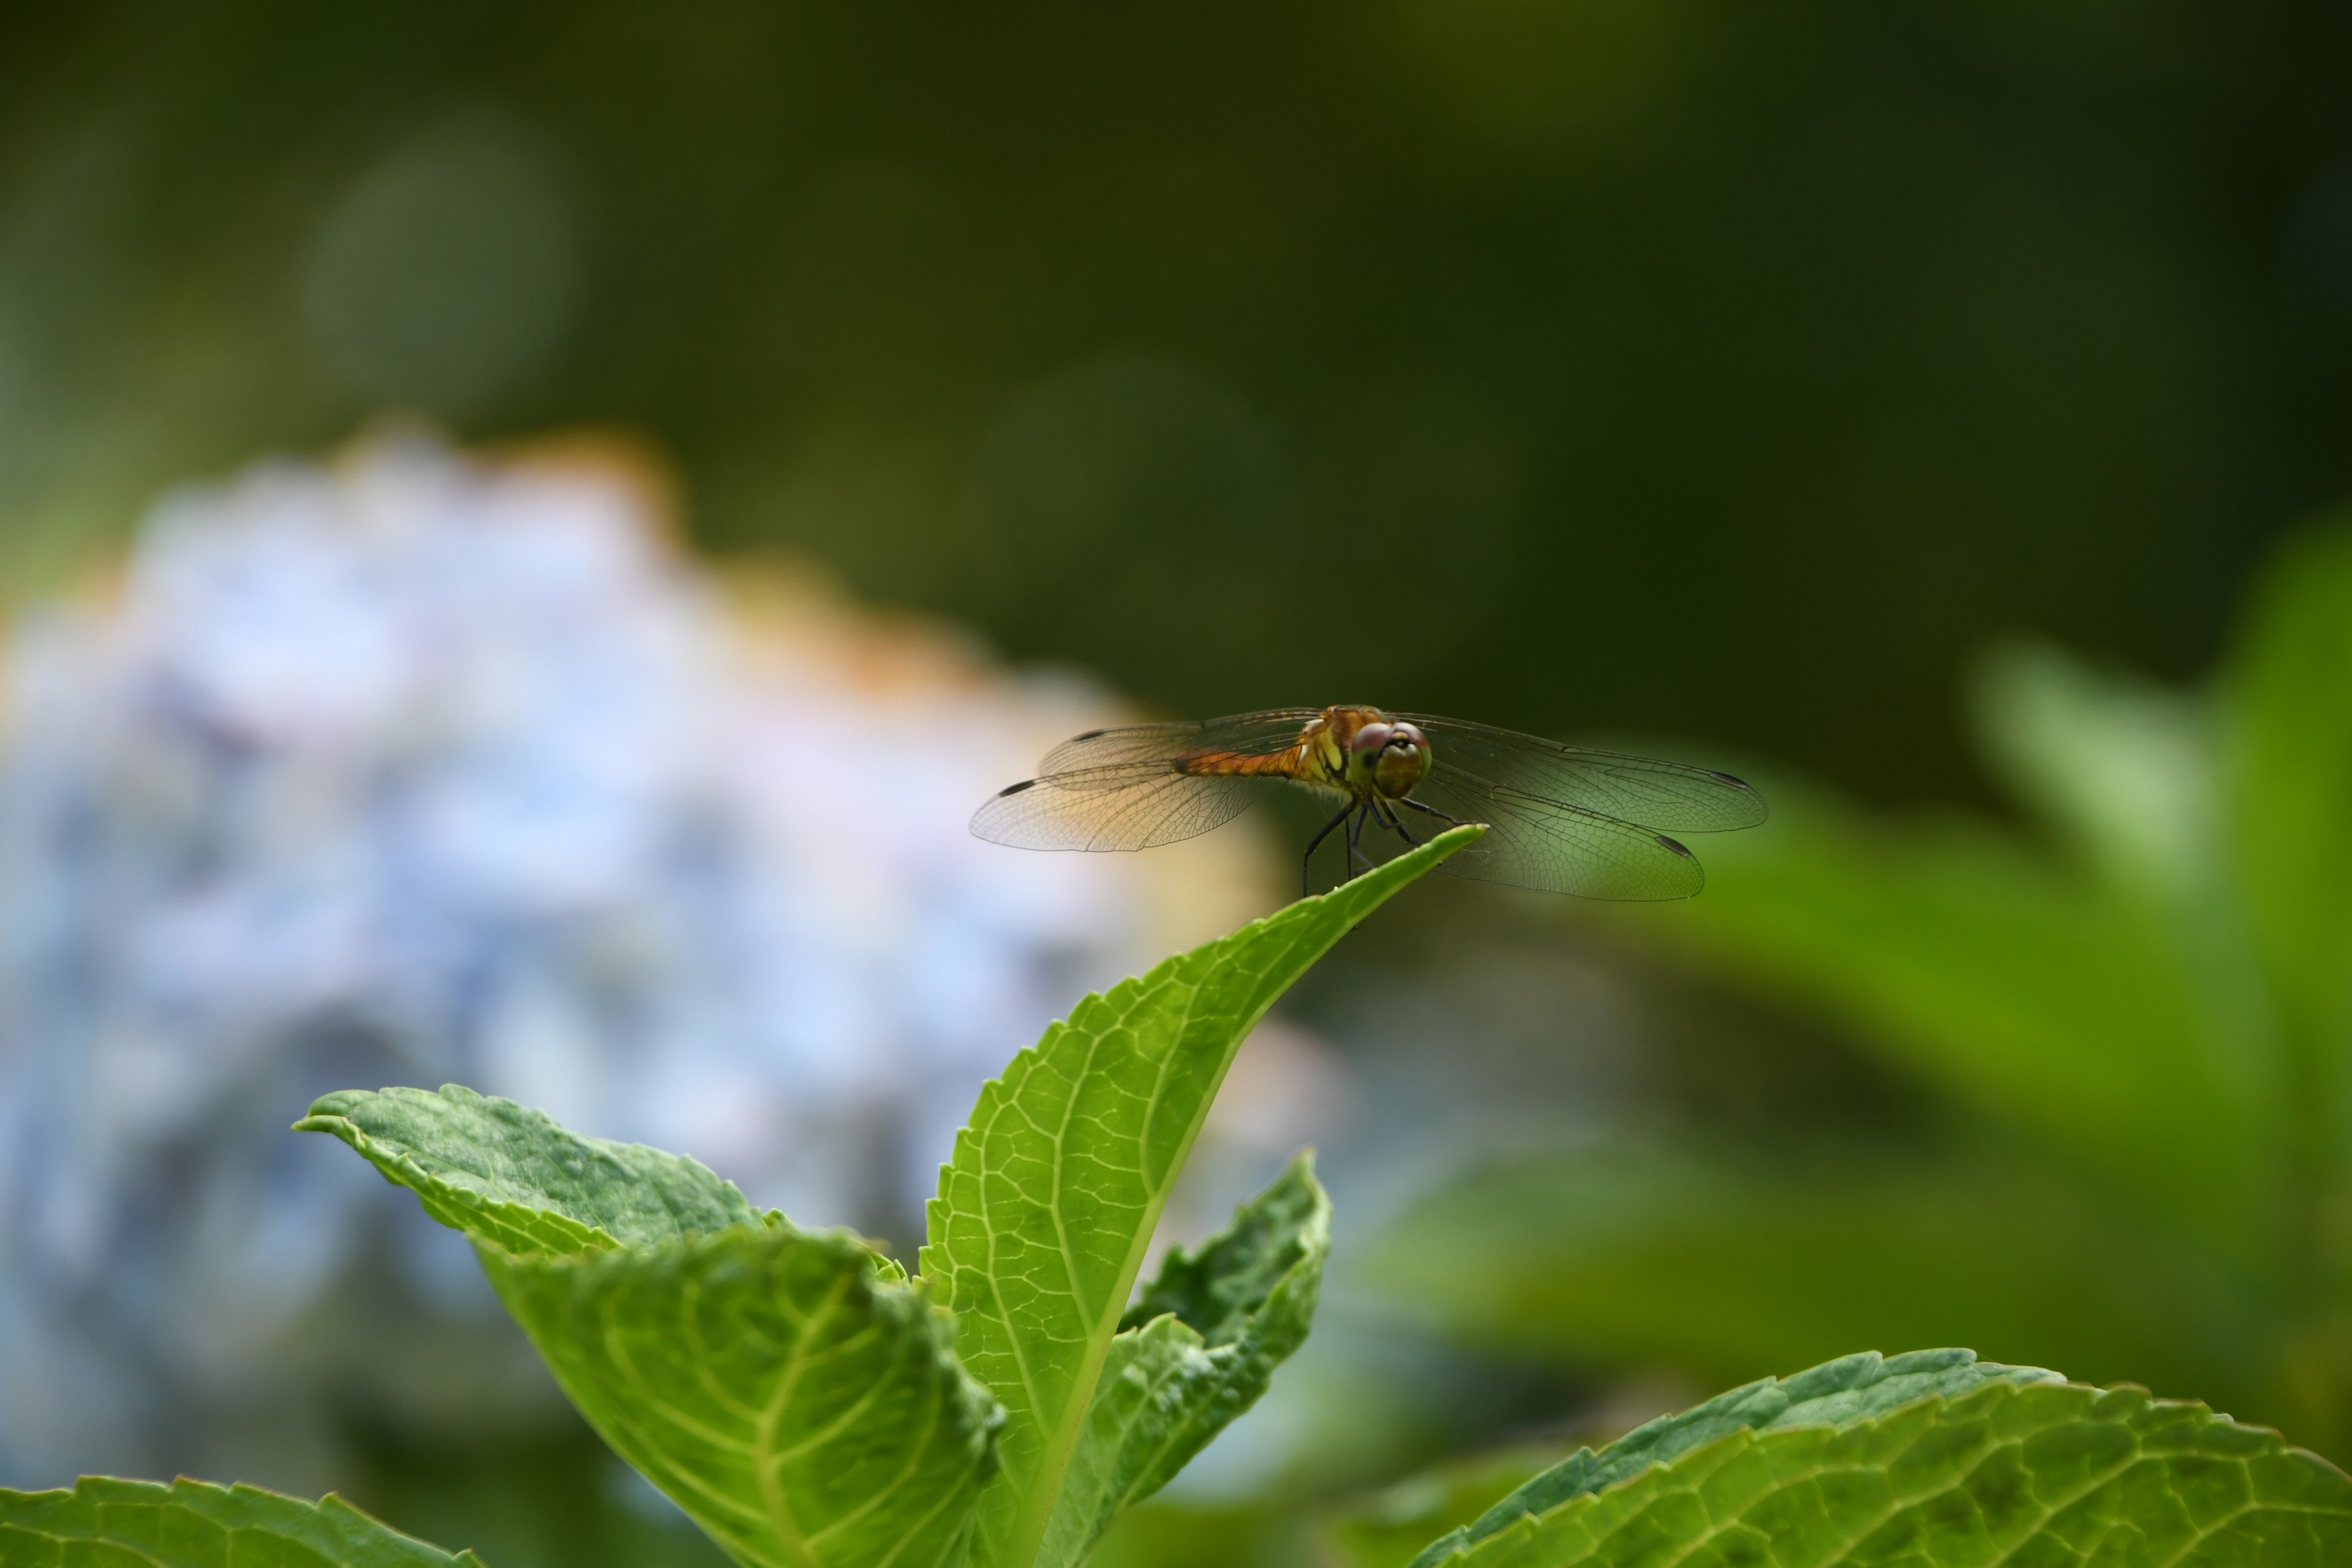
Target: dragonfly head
<point>1388,759</point>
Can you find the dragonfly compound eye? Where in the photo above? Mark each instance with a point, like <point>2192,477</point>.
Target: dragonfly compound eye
<point>1403,762</point>
<point>1371,738</point>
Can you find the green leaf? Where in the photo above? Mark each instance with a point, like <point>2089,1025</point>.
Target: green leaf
<point>1047,1209</point>
<point>801,1406</point>
<point>2123,767</point>
<point>194,1524</point>
<point>2064,1007</point>
<point>1197,1351</point>
<point>512,1178</point>
<point>791,1391</point>
<point>2289,690</point>
<point>1852,1389</point>
<point>1926,1459</point>
<point>2129,774</point>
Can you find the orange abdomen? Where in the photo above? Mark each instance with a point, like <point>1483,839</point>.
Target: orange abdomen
<point>1290,762</point>
<point>1318,757</point>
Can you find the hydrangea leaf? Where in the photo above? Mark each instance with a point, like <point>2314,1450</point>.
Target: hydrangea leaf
<point>1927,1459</point>
<point>1045,1210</point>
<point>1850,1388</point>
<point>194,1524</point>
<point>1198,1349</point>
<point>511,1177</point>
<point>803,1407</point>
<point>791,1391</point>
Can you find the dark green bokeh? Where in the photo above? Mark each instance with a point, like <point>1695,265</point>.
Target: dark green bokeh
<point>555,1498</point>
<point>1687,368</point>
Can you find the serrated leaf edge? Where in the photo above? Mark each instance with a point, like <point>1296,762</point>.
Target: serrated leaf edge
<point>2100,1405</point>
<point>1041,1493</point>
<point>404,1169</point>
<point>331,1508</point>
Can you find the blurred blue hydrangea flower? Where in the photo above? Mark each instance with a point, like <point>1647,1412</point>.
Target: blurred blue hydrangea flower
<point>422,769</point>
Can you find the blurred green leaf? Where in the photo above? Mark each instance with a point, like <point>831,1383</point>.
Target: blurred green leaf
<point>1926,1459</point>
<point>1727,1267</point>
<point>1060,1177</point>
<point>788,1391</point>
<point>1198,1349</point>
<point>2123,767</point>
<point>2028,991</point>
<point>2289,693</point>
<point>2127,771</point>
<point>194,1524</point>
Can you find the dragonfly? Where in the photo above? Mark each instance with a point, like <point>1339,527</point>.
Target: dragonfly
<point>1560,819</point>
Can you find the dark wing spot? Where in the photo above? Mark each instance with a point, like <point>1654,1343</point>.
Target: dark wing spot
<point>1087,736</point>
<point>1734,780</point>
<point>1665,840</point>
<point>1024,784</point>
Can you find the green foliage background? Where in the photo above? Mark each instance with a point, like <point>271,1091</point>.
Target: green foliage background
<point>2136,1014</point>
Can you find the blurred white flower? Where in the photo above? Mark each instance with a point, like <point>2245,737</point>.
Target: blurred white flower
<point>424,769</point>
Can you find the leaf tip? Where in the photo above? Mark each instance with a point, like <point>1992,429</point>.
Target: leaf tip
<point>1373,887</point>
<point>1447,842</point>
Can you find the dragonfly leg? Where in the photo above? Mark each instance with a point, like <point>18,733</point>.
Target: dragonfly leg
<point>1355,841</point>
<point>1306,862</point>
<point>1389,818</point>
<point>1430,810</point>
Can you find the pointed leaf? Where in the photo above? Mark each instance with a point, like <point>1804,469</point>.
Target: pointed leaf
<point>1832,1467</point>
<point>194,1524</point>
<point>803,1408</point>
<point>511,1177</point>
<point>1047,1209</point>
<point>1196,1352</point>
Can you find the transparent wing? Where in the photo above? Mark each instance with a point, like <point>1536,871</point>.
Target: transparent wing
<point>1676,796</point>
<point>1127,805</point>
<point>1251,734</point>
<point>1553,848</point>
